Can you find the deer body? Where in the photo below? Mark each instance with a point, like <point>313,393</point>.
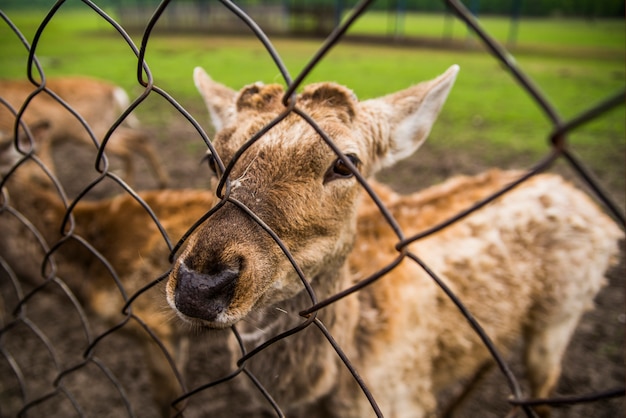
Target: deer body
<point>98,102</point>
<point>544,242</point>
<point>527,265</point>
<point>120,231</point>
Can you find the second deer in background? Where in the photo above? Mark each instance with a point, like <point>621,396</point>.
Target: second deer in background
<point>98,102</point>
<point>110,239</point>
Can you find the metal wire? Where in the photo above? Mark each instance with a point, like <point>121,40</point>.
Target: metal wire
<point>26,294</point>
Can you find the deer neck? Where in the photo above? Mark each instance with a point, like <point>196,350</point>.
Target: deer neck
<point>309,366</point>
<point>266,322</point>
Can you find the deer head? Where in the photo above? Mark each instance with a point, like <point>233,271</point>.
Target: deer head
<point>296,184</point>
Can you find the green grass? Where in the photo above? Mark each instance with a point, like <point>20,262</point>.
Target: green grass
<point>486,105</point>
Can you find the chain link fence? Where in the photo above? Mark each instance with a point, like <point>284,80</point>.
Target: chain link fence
<point>74,344</point>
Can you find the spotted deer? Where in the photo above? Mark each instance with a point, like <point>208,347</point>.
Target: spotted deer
<point>527,265</point>
<point>99,103</point>
<point>122,236</point>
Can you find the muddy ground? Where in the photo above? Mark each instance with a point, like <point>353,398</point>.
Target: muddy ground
<point>52,338</point>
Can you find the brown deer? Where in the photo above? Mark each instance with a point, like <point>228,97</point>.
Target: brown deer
<point>98,102</point>
<point>527,265</point>
<point>119,229</point>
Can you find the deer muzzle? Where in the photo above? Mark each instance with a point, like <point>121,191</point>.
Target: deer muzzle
<point>205,295</point>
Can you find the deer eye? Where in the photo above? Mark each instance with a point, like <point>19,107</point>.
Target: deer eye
<point>209,158</point>
<point>340,170</point>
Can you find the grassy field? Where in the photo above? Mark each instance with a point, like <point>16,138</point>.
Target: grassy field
<point>576,63</point>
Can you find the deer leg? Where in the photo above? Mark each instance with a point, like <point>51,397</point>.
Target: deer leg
<point>544,353</point>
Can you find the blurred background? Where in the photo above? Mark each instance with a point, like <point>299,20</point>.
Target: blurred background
<point>574,51</point>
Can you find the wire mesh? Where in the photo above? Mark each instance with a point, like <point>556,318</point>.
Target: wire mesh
<point>91,372</point>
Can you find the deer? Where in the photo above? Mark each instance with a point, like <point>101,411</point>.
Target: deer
<point>121,234</point>
<point>98,102</point>
<point>295,226</point>
<point>99,222</point>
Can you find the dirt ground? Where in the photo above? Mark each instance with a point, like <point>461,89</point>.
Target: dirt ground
<point>56,340</point>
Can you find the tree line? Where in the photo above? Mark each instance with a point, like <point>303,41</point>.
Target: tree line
<point>535,8</point>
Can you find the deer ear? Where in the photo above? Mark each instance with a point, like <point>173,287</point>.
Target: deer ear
<point>219,99</point>
<point>405,118</point>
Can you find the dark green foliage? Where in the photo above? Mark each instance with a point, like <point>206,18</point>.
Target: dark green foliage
<point>579,8</point>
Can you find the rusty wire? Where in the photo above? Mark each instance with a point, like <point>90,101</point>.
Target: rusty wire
<point>23,298</point>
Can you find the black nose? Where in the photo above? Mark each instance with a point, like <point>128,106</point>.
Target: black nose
<point>204,295</point>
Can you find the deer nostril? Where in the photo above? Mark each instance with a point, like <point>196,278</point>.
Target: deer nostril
<point>205,295</point>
